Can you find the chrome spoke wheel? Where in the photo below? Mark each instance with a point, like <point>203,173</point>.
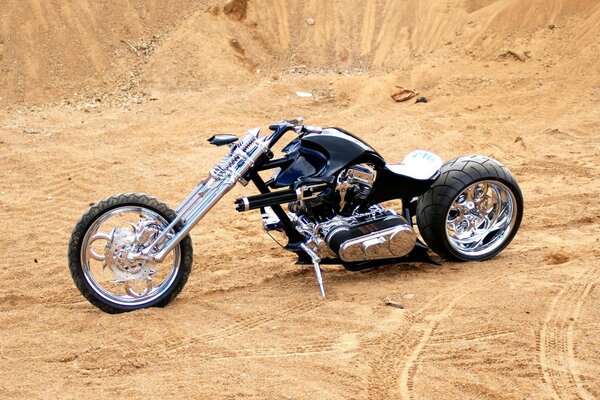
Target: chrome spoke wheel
<point>111,262</point>
<point>481,218</point>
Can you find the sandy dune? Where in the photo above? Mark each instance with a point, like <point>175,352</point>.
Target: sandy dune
<point>97,99</point>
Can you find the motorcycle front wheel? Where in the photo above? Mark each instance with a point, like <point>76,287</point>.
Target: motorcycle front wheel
<point>109,232</point>
<point>472,211</point>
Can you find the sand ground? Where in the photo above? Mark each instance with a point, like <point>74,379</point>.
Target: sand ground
<point>98,100</point>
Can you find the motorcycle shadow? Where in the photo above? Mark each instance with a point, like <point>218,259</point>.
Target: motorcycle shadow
<point>385,272</point>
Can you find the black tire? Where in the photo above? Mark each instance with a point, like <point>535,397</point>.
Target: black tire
<point>456,176</point>
<point>88,219</point>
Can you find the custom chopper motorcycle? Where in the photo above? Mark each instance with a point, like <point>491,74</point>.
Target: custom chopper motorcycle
<point>131,251</point>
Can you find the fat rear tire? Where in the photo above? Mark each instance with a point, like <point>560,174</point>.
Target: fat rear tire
<point>95,212</point>
<point>456,176</point>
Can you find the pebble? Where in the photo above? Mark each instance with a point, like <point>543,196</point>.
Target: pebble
<point>304,94</point>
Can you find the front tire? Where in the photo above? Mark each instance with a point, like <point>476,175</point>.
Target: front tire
<point>117,285</point>
<point>472,211</point>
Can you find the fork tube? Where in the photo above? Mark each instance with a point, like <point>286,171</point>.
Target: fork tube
<point>201,210</point>
<point>223,177</point>
<point>190,204</point>
<point>202,186</point>
<point>191,198</point>
<point>204,199</point>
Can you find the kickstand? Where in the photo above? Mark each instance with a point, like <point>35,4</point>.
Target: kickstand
<point>315,260</point>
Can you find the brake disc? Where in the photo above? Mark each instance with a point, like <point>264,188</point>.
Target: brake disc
<point>117,258</point>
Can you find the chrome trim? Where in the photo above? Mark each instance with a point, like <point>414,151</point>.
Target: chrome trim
<point>481,218</point>
<point>301,191</point>
<point>271,221</point>
<point>246,203</point>
<point>396,241</point>
<point>313,129</point>
<point>323,249</point>
<point>317,232</point>
<point>359,176</point>
<point>342,188</point>
<point>355,175</point>
<point>98,236</point>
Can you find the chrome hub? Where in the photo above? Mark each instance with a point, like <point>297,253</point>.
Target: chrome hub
<point>119,257</point>
<point>480,218</point>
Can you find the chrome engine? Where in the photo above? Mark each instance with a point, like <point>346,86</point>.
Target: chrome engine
<point>377,234</point>
<point>351,235</point>
<point>355,184</point>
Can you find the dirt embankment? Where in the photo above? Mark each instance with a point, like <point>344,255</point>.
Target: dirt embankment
<point>54,50</point>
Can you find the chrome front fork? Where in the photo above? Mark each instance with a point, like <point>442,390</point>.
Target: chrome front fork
<point>222,178</point>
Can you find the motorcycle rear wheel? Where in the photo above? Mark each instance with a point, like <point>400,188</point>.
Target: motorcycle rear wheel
<point>130,286</point>
<point>472,211</point>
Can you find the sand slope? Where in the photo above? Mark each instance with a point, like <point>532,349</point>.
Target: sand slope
<point>518,81</point>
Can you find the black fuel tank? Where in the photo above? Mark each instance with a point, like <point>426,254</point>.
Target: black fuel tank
<point>324,154</point>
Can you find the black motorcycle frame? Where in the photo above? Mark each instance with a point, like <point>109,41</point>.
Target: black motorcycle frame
<point>388,186</point>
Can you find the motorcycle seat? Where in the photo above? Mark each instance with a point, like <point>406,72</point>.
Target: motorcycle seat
<point>419,164</point>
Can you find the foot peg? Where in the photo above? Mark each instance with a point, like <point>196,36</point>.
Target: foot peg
<point>271,221</point>
<point>316,260</point>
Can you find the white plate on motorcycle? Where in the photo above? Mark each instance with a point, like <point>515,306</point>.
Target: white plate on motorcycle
<point>419,164</point>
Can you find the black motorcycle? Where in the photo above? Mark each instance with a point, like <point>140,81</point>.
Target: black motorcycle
<point>131,251</point>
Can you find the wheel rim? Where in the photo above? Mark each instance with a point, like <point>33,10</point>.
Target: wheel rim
<point>145,282</point>
<point>481,218</point>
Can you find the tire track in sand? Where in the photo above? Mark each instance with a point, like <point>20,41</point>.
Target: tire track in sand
<point>398,355</point>
<point>414,359</point>
<point>471,336</point>
<point>556,340</point>
<point>168,349</point>
<point>311,347</point>
<point>238,328</point>
<point>118,364</point>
